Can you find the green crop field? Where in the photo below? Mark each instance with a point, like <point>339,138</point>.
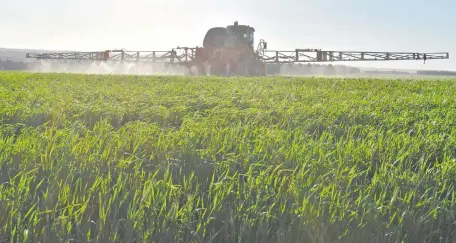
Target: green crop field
<point>93,158</point>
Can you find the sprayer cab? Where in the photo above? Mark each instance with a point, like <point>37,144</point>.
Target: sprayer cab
<point>243,33</point>
<point>232,36</point>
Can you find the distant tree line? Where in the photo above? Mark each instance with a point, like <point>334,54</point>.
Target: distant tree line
<point>436,73</point>
<point>12,65</point>
<point>385,72</point>
<point>311,69</point>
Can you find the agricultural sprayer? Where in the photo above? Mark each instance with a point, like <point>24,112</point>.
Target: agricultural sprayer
<point>231,51</point>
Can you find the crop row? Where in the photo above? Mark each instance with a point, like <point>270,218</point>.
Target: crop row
<point>96,158</point>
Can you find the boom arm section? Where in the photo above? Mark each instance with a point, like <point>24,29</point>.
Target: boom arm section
<point>316,55</point>
<point>180,55</point>
<point>186,56</point>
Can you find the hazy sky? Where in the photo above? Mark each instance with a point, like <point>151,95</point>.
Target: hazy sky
<point>352,25</point>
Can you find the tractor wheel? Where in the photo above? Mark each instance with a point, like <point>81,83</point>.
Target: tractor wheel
<point>240,69</point>
<point>258,68</point>
<point>201,70</point>
<point>218,68</point>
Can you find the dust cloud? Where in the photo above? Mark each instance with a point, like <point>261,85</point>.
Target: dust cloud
<point>98,67</point>
<point>142,68</point>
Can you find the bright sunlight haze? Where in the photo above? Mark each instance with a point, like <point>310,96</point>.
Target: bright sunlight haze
<point>352,25</point>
